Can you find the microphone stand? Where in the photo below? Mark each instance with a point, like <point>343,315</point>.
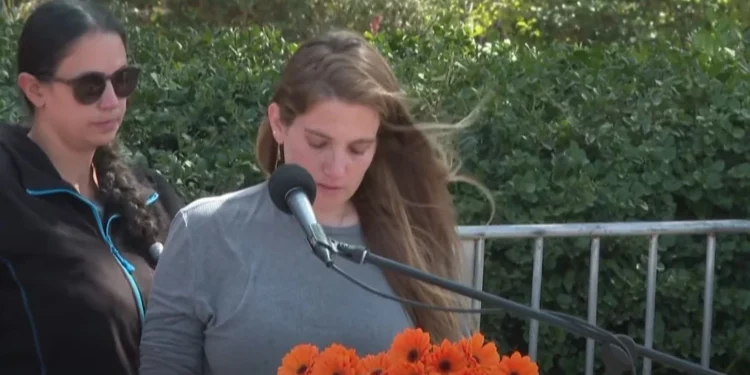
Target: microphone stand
<point>616,360</point>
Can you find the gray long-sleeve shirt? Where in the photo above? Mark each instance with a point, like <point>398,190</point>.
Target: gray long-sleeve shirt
<point>237,287</point>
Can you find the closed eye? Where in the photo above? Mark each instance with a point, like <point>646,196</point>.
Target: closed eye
<point>360,149</point>
<point>318,141</point>
<point>317,145</point>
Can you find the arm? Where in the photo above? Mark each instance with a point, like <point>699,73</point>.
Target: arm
<point>172,341</point>
<point>19,345</point>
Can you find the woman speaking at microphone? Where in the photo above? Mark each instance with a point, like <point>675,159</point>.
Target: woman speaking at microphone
<point>76,223</point>
<point>238,285</point>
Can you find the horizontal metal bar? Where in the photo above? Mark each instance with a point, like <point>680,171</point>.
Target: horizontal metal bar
<point>604,229</point>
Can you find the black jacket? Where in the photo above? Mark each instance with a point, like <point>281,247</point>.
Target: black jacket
<point>72,292</point>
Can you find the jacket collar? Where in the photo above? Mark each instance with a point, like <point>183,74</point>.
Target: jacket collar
<point>36,171</point>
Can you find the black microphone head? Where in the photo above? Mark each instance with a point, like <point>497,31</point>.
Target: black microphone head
<point>286,178</point>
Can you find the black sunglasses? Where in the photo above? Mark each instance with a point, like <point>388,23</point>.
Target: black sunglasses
<point>88,88</point>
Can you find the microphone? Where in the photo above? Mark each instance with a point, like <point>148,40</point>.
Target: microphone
<point>155,251</point>
<point>293,191</point>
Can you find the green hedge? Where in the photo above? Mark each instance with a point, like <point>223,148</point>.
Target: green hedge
<point>539,21</point>
<point>571,134</point>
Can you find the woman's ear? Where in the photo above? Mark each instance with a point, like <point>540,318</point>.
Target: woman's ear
<point>32,89</point>
<point>274,119</point>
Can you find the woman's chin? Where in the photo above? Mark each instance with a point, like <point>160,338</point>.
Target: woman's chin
<point>102,139</point>
<point>328,205</point>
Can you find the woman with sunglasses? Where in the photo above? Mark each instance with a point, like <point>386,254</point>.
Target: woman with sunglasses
<point>79,229</point>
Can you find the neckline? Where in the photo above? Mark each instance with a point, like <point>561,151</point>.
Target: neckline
<point>346,230</point>
<point>343,230</point>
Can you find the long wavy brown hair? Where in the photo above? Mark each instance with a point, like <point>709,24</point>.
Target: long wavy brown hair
<point>404,206</point>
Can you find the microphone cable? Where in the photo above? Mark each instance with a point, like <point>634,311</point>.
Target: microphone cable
<point>573,323</point>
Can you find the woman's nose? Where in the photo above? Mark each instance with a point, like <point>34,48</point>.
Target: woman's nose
<point>109,99</point>
<point>335,166</point>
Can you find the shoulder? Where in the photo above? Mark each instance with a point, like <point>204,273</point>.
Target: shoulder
<point>250,202</point>
<point>7,133</point>
<point>228,226</point>
<point>245,213</point>
<point>10,180</point>
<point>9,171</point>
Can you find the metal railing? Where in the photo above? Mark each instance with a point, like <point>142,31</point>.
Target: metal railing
<point>475,237</point>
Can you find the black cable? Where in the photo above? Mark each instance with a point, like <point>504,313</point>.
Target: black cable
<point>576,325</point>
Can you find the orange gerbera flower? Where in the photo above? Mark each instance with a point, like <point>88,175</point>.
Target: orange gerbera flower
<point>446,358</point>
<point>373,364</point>
<point>481,354</point>
<point>410,345</point>
<point>474,371</point>
<point>518,365</point>
<point>299,360</point>
<point>407,368</point>
<point>336,359</point>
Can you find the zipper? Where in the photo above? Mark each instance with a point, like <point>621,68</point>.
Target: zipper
<point>126,267</point>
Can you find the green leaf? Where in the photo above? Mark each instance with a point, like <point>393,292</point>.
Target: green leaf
<point>740,171</point>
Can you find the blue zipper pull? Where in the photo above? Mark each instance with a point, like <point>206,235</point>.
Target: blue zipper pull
<point>128,267</point>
